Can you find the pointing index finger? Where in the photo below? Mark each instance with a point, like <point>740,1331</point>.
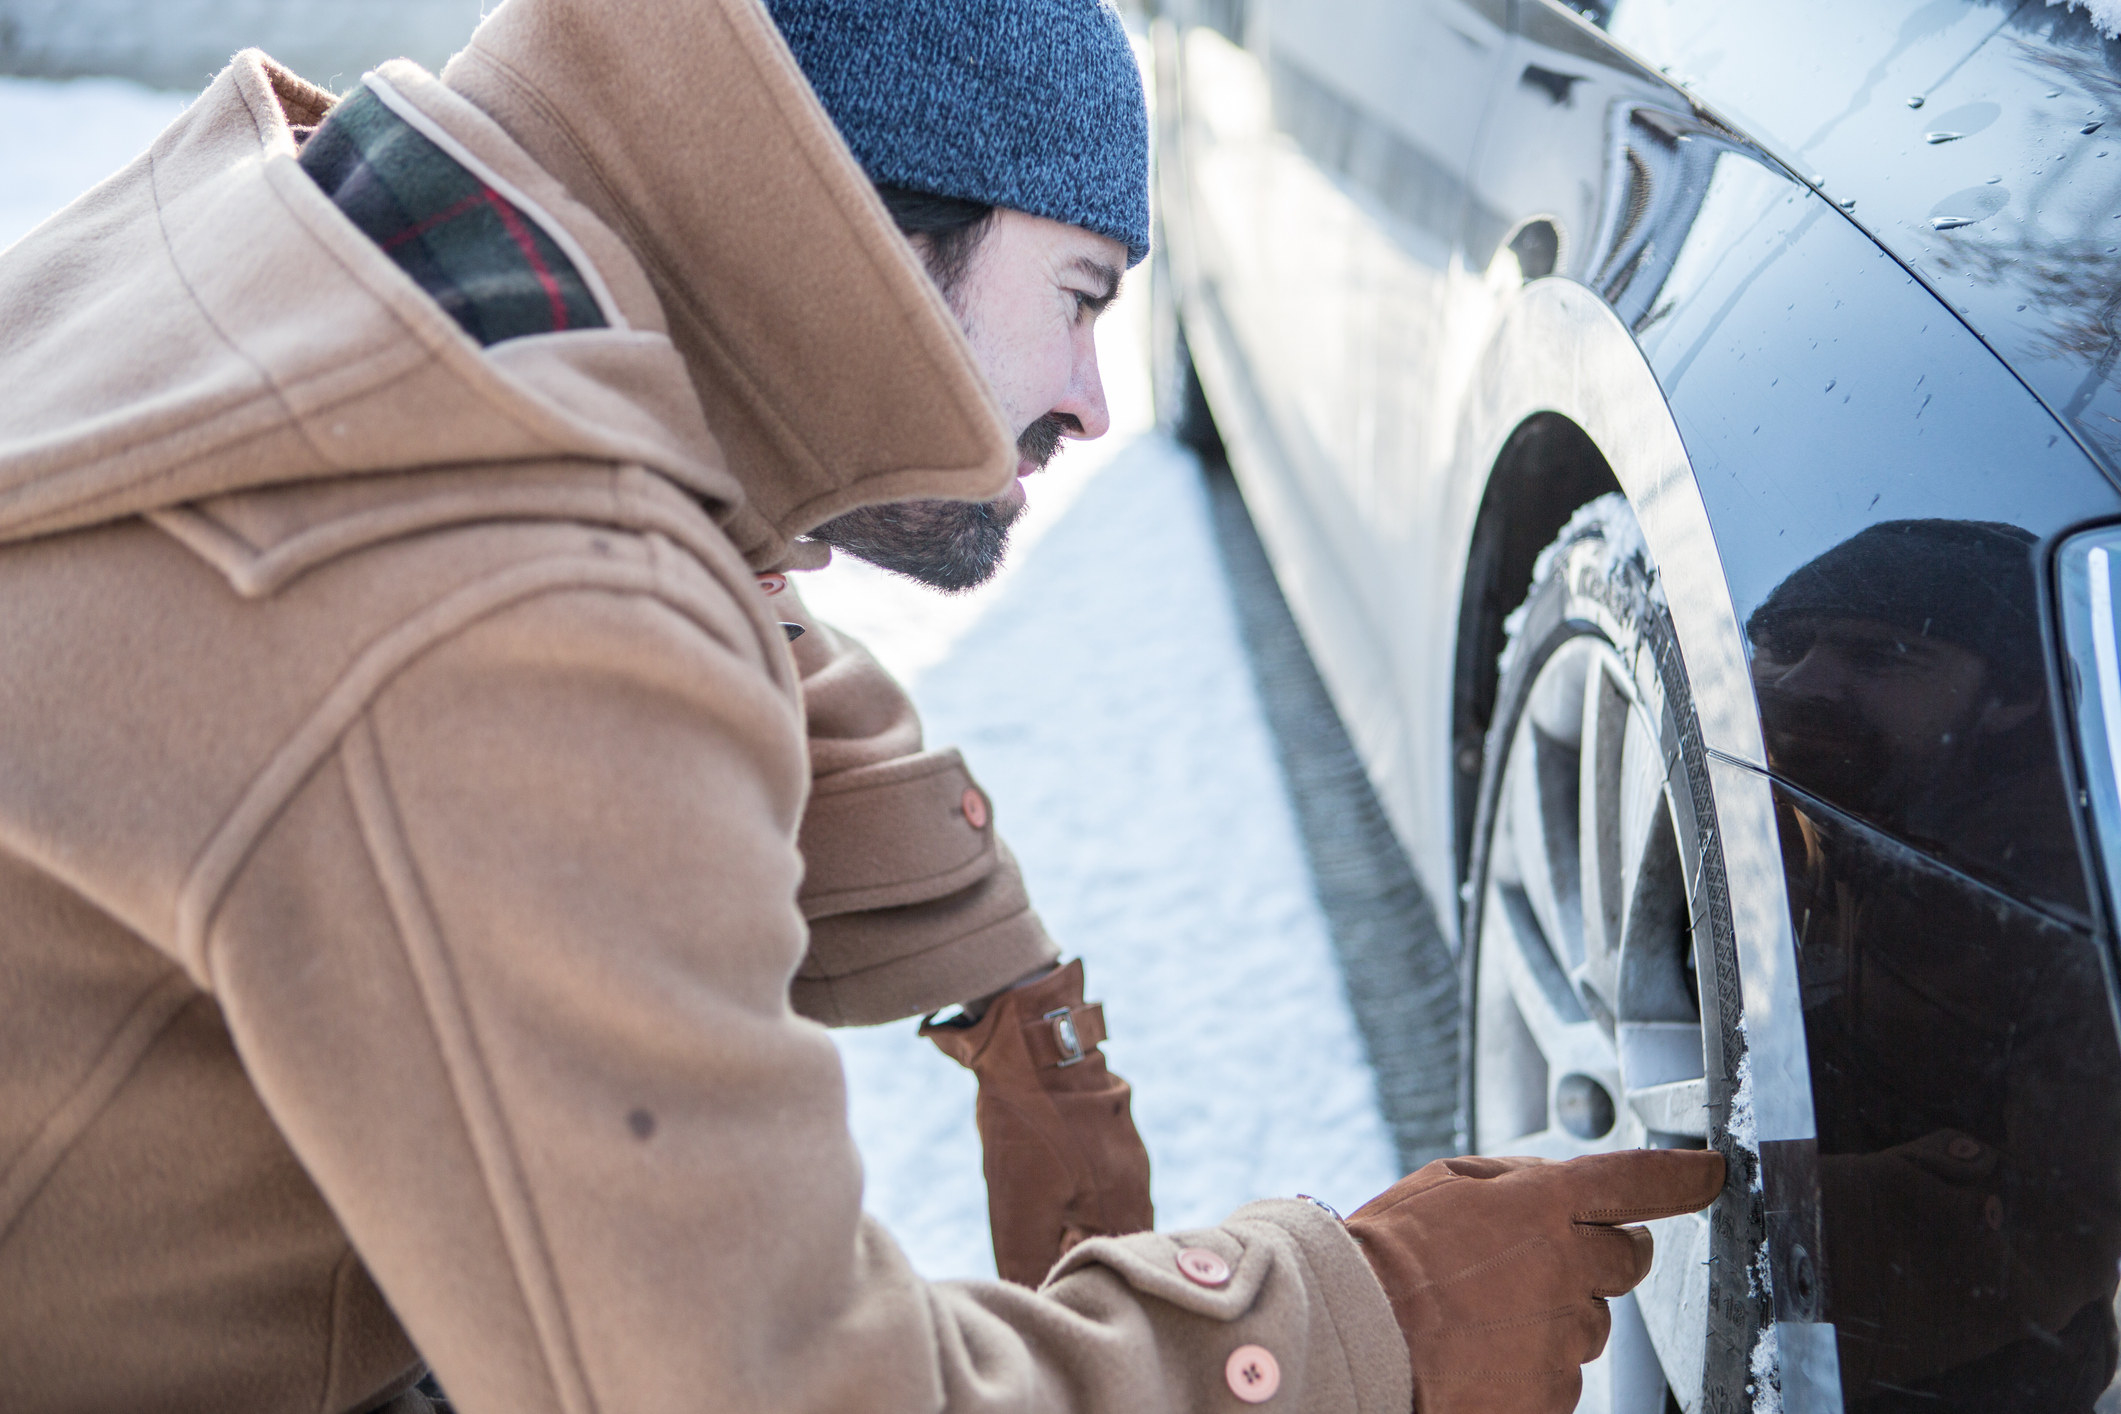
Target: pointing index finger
<point>1637,1185</point>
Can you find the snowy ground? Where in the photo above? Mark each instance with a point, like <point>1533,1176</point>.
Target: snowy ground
<point>1101,694</point>
<point>1100,691</point>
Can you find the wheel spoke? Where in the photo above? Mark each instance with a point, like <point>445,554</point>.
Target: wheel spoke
<point>1531,1034</point>
<point>1605,721</point>
<point>1565,1037</point>
<point>1542,834</point>
<point>1674,1302</point>
<point>1645,818</point>
<point>1658,1052</point>
<point>1678,1107</point>
<point>1536,957</point>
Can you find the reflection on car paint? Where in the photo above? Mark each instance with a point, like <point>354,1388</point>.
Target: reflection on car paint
<point>2000,188</point>
<point>1823,396</point>
<point>1963,1056</point>
<point>1901,675</point>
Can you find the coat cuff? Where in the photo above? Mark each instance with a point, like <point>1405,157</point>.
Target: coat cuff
<point>864,969</point>
<point>1299,1287</point>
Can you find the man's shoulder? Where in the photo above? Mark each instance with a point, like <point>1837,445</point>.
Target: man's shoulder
<point>433,528</point>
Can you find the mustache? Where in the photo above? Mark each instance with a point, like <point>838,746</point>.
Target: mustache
<point>1041,441</point>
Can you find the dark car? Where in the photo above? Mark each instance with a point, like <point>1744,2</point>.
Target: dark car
<point>1684,432</point>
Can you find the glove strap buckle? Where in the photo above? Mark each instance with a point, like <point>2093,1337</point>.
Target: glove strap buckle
<point>1064,1036</point>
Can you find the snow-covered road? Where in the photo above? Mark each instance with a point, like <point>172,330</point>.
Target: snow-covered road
<point>1103,698</point>
<point>1100,691</point>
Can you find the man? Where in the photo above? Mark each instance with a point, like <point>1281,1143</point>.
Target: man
<point>409,834</point>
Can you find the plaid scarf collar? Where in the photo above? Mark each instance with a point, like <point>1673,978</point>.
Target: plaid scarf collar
<point>495,267</point>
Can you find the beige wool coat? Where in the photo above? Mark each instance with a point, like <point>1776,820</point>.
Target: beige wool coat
<point>419,864</point>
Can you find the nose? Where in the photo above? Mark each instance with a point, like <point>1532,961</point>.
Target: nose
<point>1082,408</point>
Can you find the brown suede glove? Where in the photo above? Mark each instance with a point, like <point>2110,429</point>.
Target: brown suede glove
<point>1498,1269</point>
<point>1063,1161</point>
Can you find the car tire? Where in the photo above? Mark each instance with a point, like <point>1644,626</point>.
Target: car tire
<point>1600,1000</point>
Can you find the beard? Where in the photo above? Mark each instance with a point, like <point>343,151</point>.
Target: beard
<point>948,545</point>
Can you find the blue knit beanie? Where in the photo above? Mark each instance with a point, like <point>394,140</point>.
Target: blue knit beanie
<point>1030,104</point>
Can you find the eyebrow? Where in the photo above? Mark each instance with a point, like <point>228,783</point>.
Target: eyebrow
<point>1104,274</point>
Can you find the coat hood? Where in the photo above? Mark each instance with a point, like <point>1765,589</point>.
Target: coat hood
<point>206,321</point>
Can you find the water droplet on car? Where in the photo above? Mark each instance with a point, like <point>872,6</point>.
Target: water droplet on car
<point>1993,180</point>
<point>1915,102</point>
<point>1934,138</point>
<point>1830,384</point>
<point>1847,203</point>
<point>1950,223</point>
<point>2090,128</point>
<point>1817,179</point>
<point>2054,93</point>
<point>2021,309</point>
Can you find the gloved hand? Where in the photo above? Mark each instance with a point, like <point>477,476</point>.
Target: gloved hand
<point>1498,1269</point>
<point>1063,1160</point>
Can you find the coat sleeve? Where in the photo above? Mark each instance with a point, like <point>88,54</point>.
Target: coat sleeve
<point>509,968</point>
<point>913,900</point>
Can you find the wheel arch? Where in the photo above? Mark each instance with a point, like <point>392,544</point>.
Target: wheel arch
<point>1559,352</point>
<point>1562,391</point>
<point>1547,468</point>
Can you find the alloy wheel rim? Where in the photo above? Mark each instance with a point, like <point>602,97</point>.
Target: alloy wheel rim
<point>1587,1017</point>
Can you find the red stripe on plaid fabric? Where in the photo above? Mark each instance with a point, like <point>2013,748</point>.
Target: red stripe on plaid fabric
<point>513,219</point>
<point>416,231</point>
<point>518,231</point>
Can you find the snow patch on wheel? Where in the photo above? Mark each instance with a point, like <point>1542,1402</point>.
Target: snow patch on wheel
<point>1767,1362</point>
<point>1744,1132</point>
<point>1609,518</point>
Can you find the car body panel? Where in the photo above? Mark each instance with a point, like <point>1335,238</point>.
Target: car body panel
<point>1821,390</point>
<point>1360,336</point>
<point>1851,488</point>
<point>1288,257</point>
<point>1998,122</point>
<point>1963,1052</point>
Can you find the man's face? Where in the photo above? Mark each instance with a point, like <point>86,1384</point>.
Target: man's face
<point>1029,300</point>
<point>1870,710</point>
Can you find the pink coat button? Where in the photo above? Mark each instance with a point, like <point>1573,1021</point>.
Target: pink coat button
<point>975,807</point>
<point>1203,1266</point>
<point>1253,1372</point>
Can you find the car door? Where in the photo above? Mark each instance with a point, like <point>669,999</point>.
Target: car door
<point>1325,146</point>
